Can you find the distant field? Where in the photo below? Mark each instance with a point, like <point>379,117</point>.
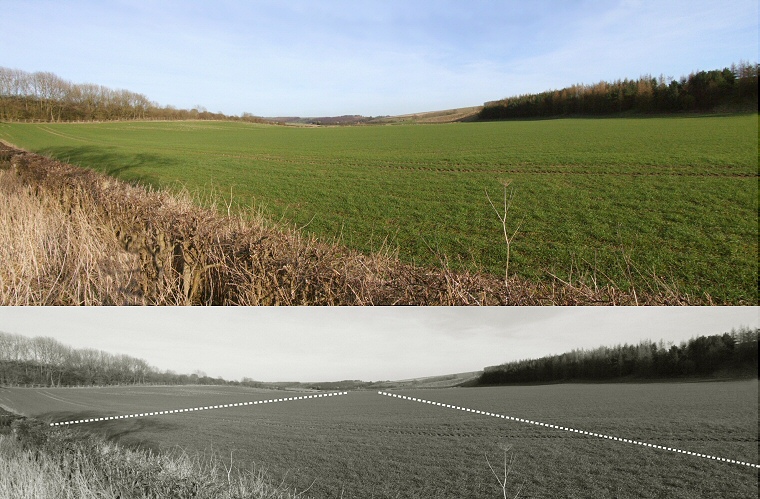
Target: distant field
<point>616,200</point>
<point>367,445</point>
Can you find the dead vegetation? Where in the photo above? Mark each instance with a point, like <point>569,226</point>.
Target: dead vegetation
<point>72,236</point>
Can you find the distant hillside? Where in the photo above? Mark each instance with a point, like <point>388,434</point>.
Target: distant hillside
<point>446,116</point>
<point>443,381</point>
<point>353,119</point>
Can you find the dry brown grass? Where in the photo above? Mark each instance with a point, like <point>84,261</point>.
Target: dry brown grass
<point>39,463</point>
<point>74,236</point>
<point>53,256</point>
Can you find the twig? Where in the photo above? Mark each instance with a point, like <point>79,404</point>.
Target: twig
<point>507,470</point>
<point>503,220</point>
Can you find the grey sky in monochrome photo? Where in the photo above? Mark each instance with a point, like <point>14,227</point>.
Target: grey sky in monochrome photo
<point>324,58</point>
<point>371,344</point>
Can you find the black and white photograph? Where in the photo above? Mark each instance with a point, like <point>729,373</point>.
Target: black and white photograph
<point>388,402</point>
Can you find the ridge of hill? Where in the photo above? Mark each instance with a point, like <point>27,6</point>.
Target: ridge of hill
<point>439,381</point>
<point>443,116</point>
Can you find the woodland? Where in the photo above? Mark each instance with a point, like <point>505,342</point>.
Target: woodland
<point>729,89</point>
<point>731,354</point>
<point>44,96</point>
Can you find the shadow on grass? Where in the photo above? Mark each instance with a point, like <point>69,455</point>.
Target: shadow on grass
<point>121,431</point>
<point>131,167</point>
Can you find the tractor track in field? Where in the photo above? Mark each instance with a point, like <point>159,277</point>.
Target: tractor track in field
<point>453,431</point>
<point>431,167</point>
<point>587,173</point>
<point>537,170</point>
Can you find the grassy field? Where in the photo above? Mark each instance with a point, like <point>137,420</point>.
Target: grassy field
<point>616,200</point>
<point>366,445</point>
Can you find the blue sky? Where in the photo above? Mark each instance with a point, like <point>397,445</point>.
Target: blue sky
<point>336,343</point>
<point>316,58</point>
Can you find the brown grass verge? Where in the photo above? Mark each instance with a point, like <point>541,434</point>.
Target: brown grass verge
<point>72,236</point>
<point>37,462</point>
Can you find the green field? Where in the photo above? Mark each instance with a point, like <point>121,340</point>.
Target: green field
<point>367,445</point>
<point>618,200</point>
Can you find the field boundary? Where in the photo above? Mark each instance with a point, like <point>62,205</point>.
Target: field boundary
<point>572,430</point>
<point>192,409</point>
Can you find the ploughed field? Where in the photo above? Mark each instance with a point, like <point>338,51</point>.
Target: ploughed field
<point>363,444</point>
<point>653,203</point>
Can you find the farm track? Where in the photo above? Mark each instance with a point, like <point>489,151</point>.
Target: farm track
<point>487,428</point>
<point>59,399</point>
<point>541,171</point>
<point>486,170</point>
<point>47,129</point>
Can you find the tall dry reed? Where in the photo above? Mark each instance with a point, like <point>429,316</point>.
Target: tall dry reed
<point>57,256</point>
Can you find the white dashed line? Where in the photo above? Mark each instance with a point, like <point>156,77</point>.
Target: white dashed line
<point>582,432</point>
<point>174,411</point>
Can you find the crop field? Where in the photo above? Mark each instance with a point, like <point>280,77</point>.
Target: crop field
<point>648,203</point>
<point>363,444</point>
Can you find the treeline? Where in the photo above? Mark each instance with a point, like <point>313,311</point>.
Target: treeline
<point>730,88</point>
<point>44,361</point>
<point>735,353</point>
<point>43,96</point>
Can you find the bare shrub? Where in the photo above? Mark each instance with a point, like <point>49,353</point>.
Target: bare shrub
<point>502,477</point>
<point>503,219</point>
